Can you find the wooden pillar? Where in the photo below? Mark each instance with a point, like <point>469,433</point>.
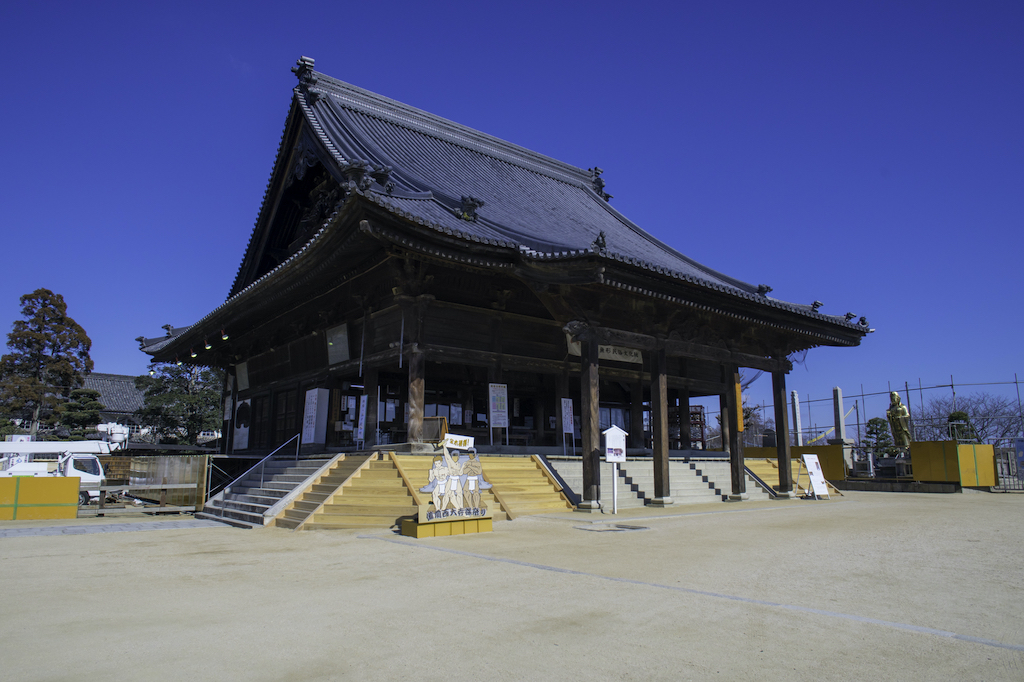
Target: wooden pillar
<point>659,424</point>
<point>684,418</point>
<point>540,428</point>
<point>734,419</point>
<point>417,367</point>
<point>590,424</point>
<point>636,412</point>
<point>782,434</point>
<point>723,407</point>
<point>370,386</point>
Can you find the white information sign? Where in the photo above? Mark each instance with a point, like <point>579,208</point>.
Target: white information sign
<point>361,428</point>
<point>818,484</point>
<point>567,422</point>
<point>614,444</point>
<point>498,405</point>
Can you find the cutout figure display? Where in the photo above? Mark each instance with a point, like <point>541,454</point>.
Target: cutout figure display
<point>455,481</point>
<point>473,471</point>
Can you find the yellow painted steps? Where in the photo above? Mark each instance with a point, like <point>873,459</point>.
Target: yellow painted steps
<point>417,469</point>
<point>523,486</point>
<point>376,498</point>
<point>326,486</point>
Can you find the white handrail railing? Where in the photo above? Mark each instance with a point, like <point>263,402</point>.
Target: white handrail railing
<point>262,464</point>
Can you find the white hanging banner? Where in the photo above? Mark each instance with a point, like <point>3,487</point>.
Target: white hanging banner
<point>243,415</point>
<point>498,406</point>
<point>818,484</point>
<point>361,428</point>
<point>314,416</point>
<point>567,416</point>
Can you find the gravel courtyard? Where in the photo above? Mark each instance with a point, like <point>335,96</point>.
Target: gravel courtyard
<point>867,586</point>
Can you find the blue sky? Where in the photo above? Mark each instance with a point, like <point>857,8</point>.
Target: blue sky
<point>866,154</point>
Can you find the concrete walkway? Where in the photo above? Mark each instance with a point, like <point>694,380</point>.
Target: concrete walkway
<point>869,586</point>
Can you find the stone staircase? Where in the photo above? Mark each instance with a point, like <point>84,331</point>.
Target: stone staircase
<point>376,497</point>
<point>693,482</point>
<point>635,488</point>
<point>321,491</point>
<point>250,498</point>
<point>719,474</point>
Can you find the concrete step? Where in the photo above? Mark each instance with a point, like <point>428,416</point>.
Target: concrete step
<point>212,514</point>
<point>267,500</point>
<point>253,519</point>
<point>245,506</point>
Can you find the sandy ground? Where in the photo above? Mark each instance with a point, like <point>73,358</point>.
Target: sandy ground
<point>870,586</point>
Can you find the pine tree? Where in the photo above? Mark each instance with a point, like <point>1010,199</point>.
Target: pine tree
<point>878,438</point>
<point>48,356</point>
<point>81,413</point>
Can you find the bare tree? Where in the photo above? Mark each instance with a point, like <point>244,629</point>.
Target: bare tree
<point>989,417</point>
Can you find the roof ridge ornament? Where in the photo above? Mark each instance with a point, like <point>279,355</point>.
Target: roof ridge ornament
<point>303,69</point>
<point>597,183</point>
<point>600,244</point>
<point>467,211</point>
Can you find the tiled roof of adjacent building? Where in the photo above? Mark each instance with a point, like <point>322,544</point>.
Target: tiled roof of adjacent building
<point>117,392</point>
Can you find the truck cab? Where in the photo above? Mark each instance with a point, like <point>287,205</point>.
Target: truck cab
<point>76,459</point>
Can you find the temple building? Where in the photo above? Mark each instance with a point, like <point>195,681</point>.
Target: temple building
<point>402,263</point>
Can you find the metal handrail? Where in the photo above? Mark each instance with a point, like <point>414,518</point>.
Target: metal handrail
<point>227,489</point>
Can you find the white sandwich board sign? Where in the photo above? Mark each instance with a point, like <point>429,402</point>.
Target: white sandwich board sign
<point>818,484</point>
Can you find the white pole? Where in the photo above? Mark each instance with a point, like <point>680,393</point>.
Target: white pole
<point>615,487</point>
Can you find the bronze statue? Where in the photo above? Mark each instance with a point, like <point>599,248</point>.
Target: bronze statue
<point>899,421</point>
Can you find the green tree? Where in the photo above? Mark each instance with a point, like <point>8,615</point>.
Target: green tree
<point>878,438</point>
<point>960,427</point>
<point>48,355</point>
<point>81,413</point>
<point>181,401</point>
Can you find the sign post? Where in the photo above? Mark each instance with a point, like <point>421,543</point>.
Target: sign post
<point>615,452</point>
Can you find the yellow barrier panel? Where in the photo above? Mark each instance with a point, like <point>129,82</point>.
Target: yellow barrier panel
<point>968,464</point>
<point>43,497</point>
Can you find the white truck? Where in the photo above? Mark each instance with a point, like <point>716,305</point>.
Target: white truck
<point>74,458</point>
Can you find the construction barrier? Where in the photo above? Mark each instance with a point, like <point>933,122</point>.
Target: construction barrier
<point>971,465</point>
<point>38,497</point>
